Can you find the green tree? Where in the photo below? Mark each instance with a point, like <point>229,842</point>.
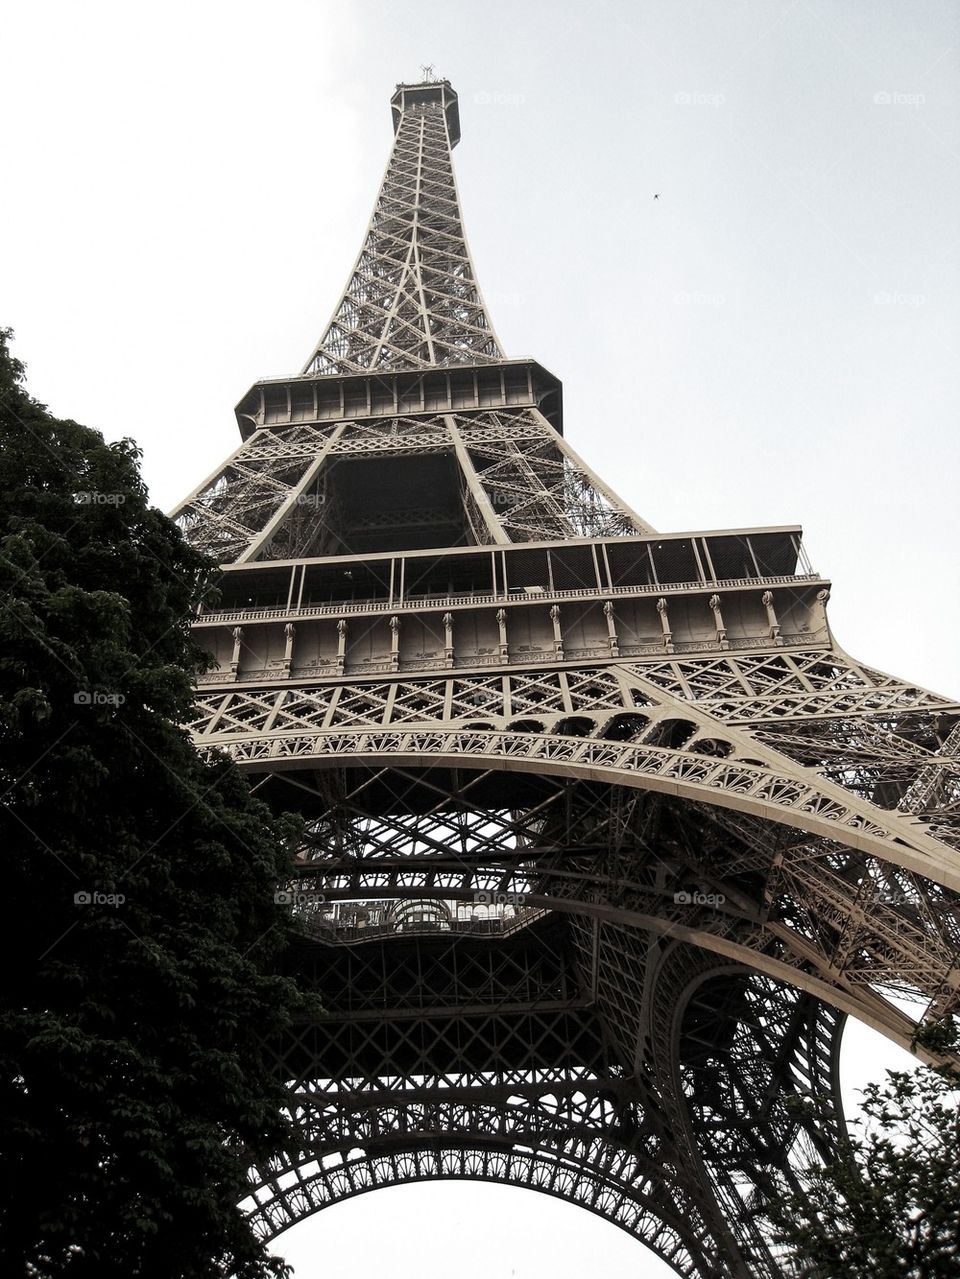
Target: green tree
<point>888,1205</point>
<point>141,945</point>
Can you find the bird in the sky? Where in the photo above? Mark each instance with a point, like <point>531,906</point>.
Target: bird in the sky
<point>656,197</point>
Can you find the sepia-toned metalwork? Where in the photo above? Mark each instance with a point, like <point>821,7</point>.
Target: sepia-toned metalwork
<point>605,835</point>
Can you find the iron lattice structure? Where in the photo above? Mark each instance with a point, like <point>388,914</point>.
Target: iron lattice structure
<point>606,835</point>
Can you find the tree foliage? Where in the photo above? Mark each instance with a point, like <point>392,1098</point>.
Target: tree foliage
<point>141,943</point>
<point>888,1205</point>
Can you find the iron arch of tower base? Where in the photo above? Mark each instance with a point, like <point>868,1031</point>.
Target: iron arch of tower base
<point>640,1217</point>
<point>632,1034</point>
<point>663,1153</point>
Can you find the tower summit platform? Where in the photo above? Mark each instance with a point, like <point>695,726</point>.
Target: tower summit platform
<point>428,93</point>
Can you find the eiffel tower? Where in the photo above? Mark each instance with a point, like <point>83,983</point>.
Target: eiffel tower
<point>605,835</point>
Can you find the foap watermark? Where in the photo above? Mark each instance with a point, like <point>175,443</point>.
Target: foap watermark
<point>698,898</point>
<point>84,698</point>
<point>893,298</point>
<point>685,298</point>
<point>499,299</point>
<point>91,497</point>
<point>305,499</point>
<point>96,898</point>
<point>488,98</point>
<point>893,98</point>
<point>685,99</point>
<point>487,898</point>
<point>294,897</point>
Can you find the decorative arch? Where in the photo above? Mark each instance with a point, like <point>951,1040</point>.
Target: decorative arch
<point>309,1189</point>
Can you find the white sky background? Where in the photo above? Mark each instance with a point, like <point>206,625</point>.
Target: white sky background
<point>774,340</point>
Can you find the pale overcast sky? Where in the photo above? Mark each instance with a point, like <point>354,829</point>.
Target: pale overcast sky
<point>773,340</point>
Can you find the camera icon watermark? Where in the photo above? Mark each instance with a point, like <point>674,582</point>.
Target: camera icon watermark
<point>885,298</point>
<point>91,497</point>
<point>893,98</point>
<point>95,898</point>
<point>697,898</point>
<point>892,897</point>
<point>500,298</point>
<point>485,98</point>
<point>687,99</point>
<point>686,298</point>
<point>296,898</point>
<point>84,698</point>
<point>485,897</point>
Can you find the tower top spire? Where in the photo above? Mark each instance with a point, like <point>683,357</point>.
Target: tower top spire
<point>412,300</point>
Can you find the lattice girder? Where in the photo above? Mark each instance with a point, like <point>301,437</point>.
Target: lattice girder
<point>515,475</point>
<point>572,1125</point>
<point>566,1123</point>
<point>837,922</point>
<point>412,299</point>
<point>671,745</point>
